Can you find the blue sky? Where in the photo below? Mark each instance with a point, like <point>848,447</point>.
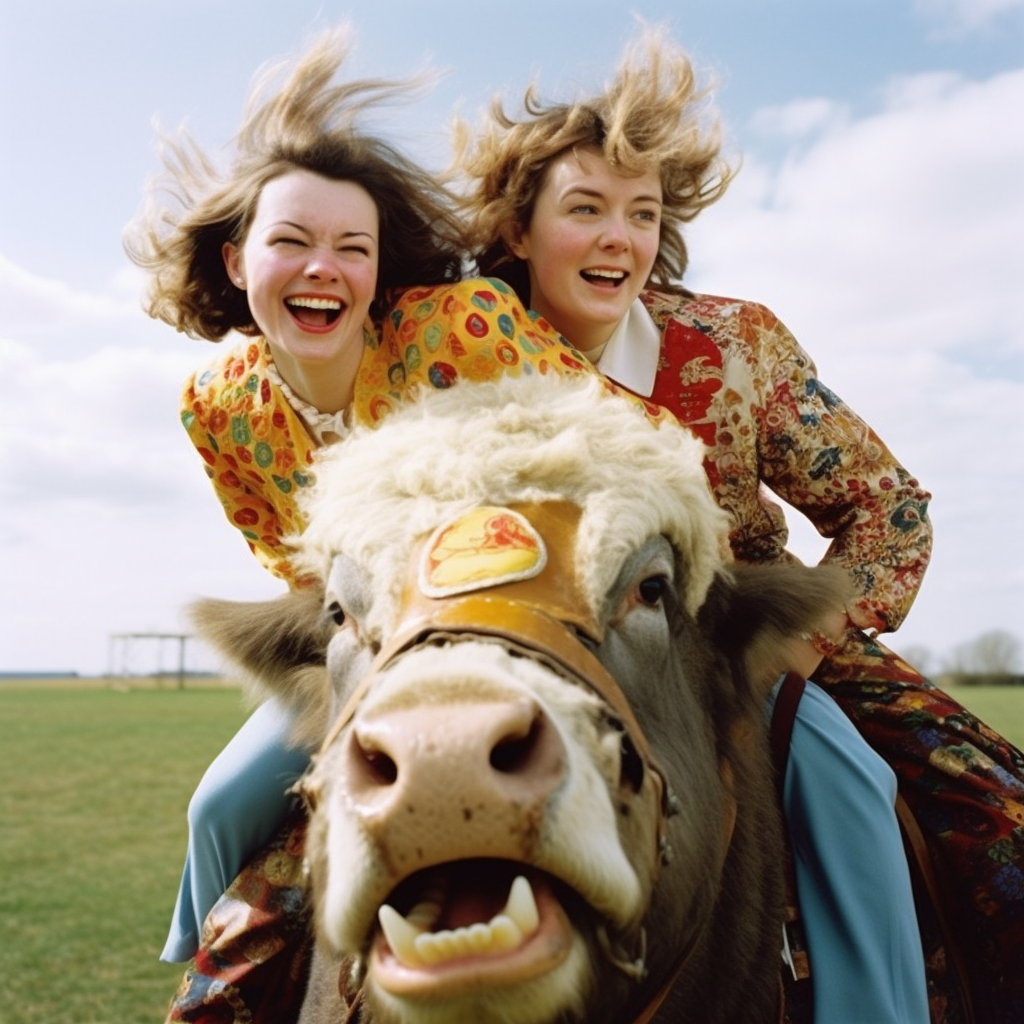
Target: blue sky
<point>879,212</point>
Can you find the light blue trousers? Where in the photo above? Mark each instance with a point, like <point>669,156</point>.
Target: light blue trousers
<point>236,809</point>
<point>852,877</point>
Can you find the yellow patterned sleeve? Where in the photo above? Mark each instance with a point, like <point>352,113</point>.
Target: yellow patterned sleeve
<point>475,330</point>
<point>255,451</point>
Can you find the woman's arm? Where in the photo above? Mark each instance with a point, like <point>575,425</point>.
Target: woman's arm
<point>254,450</point>
<point>820,457</point>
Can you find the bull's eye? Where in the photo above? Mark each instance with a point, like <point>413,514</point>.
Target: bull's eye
<point>336,613</point>
<point>652,590</point>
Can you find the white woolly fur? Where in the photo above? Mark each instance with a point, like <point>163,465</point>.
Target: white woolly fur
<point>516,439</point>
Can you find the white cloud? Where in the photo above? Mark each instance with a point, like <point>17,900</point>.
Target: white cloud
<point>108,521</point>
<point>35,306</point>
<point>890,244</point>
<point>94,427</point>
<point>908,220</point>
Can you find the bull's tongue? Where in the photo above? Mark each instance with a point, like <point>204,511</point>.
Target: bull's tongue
<point>415,944</point>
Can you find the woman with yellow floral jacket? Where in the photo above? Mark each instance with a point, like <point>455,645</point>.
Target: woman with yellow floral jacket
<point>258,438</point>
<point>301,247</point>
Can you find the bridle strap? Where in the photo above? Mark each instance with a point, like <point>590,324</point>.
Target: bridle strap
<point>517,626</point>
<point>523,629</point>
<point>526,619</point>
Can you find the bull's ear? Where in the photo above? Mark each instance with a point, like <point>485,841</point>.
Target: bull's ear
<point>757,612</point>
<point>280,645</point>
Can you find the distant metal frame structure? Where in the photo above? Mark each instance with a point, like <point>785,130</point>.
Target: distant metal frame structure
<point>123,643</point>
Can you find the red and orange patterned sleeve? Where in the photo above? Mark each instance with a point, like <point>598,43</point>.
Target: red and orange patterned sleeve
<point>733,373</point>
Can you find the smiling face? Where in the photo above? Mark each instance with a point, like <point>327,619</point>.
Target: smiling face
<point>591,244</point>
<point>309,267</point>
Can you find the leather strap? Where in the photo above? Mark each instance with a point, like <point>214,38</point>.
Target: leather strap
<point>917,848</point>
<point>795,953</point>
<point>783,716</point>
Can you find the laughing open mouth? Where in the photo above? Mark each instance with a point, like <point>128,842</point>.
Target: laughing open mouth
<point>315,312</point>
<point>602,276</point>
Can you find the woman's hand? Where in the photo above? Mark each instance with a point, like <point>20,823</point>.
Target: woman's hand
<point>806,652</point>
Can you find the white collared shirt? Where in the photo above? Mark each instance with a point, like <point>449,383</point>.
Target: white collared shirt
<point>630,356</point>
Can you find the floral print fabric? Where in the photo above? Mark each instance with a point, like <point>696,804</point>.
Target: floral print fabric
<point>734,374</point>
<point>253,958</point>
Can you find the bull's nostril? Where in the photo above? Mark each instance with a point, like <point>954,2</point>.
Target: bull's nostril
<point>382,769</point>
<point>632,766</point>
<point>513,753</point>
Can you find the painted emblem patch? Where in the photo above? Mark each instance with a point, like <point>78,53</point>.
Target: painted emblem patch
<point>481,548</point>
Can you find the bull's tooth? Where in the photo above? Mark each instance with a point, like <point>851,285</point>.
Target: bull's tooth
<point>505,934</point>
<point>499,936</point>
<point>425,914</point>
<point>434,947</point>
<point>401,936</point>
<point>415,945</point>
<point>478,938</point>
<point>522,907</point>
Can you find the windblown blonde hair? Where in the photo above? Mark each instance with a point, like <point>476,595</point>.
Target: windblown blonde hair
<point>308,124</point>
<point>653,116</point>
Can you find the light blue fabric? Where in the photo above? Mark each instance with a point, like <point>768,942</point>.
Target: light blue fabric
<point>852,877</point>
<point>237,807</point>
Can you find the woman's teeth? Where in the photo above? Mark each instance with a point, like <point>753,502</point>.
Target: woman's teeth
<point>311,303</point>
<point>414,945</point>
<point>315,311</point>
<point>614,276</point>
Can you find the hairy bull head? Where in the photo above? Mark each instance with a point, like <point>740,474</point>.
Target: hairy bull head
<point>542,792</point>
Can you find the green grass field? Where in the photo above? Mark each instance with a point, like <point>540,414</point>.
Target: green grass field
<point>94,785</point>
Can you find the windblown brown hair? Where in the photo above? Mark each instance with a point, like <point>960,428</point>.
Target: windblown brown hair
<point>307,124</point>
<point>653,116</point>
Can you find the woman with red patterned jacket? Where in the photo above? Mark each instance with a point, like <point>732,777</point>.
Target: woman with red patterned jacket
<point>579,207</point>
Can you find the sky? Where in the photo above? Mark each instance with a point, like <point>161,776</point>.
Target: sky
<point>879,213</point>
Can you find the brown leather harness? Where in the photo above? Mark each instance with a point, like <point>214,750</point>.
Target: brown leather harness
<point>541,617</point>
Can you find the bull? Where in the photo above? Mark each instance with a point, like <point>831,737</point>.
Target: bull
<point>538,684</point>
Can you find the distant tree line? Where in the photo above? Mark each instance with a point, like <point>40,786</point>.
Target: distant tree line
<point>991,659</point>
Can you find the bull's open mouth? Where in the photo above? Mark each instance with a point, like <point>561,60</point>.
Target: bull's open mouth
<point>470,924</point>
